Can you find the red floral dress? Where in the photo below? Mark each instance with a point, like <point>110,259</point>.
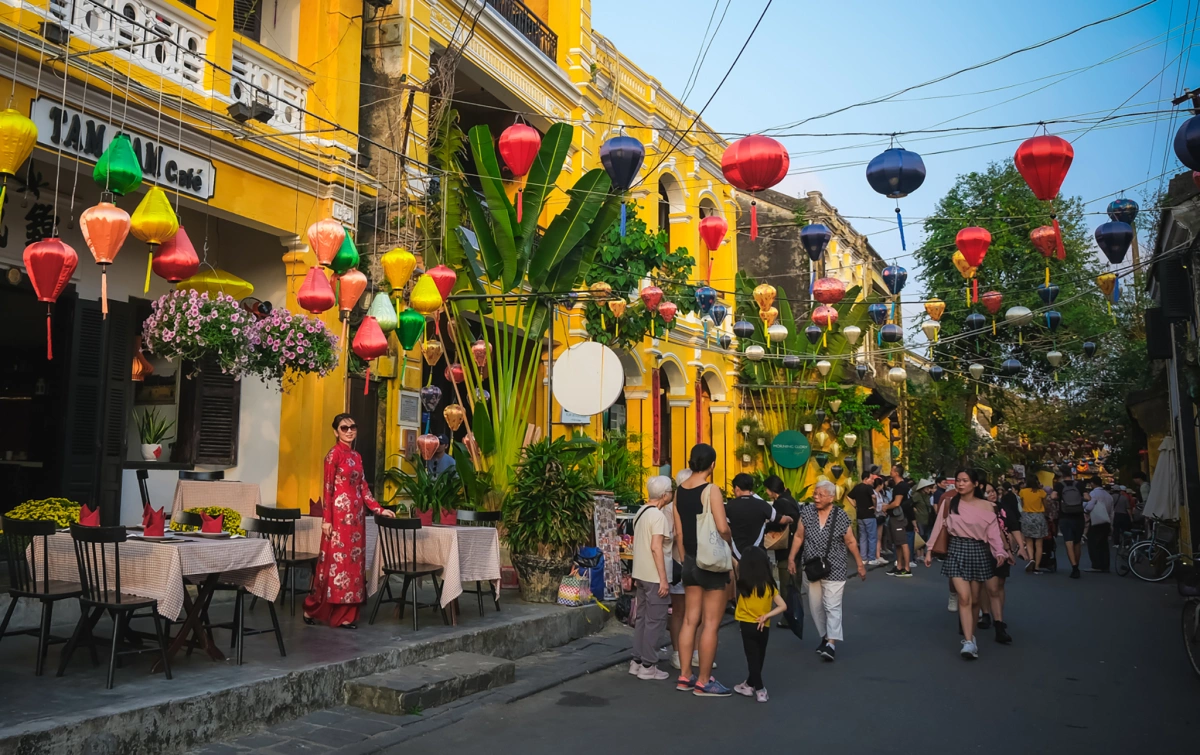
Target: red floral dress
<point>339,584</point>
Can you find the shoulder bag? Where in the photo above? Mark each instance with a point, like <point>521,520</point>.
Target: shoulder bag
<point>816,569</point>
<point>941,544</point>
<point>712,552</point>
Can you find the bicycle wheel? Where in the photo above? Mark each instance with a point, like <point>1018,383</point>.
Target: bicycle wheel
<point>1122,567</point>
<point>1151,561</point>
<point>1191,632</point>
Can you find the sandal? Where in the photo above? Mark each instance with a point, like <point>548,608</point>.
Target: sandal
<point>310,621</point>
<point>347,626</point>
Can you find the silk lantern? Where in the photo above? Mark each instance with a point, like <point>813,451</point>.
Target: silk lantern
<point>852,333</point>
<point>369,343</point>
<point>617,307</point>
<point>428,445</point>
<point>18,135</point>
<point>325,238</point>
<point>431,396</point>
<point>384,313</point>
<point>141,365</point>
<point>1054,358</point>
<point>825,317</point>
<point>777,333</point>
<point>176,260</point>
<point>432,351</point>
<point>769,316</point>
<point>455,373</point>
<point>1187,143</point>
<point>755,353</point>
<point>50,264</point>
<point>896,173</point>
<point>315,294</point>
<point>792,362</point>
<point>622,158</point>
<point>931,328</point>
<point>444,278</point>
<point>1114,238</point>
<point>894,277</point>
<point>1089,349</point>
<point>1047,293</point>
<point>975,322</point>
<point>667,311</point>
<point>216,282</point>
<point>814,237</point>
<point>935,308</point>
<point>480,351</point>
<point>897,375</point>
<point>976,370</point>
<point>351,286</point>
<point>105,228</point>
<point>877,312</point>
<point>706,297</point>
<point>712,231</point>
<point>1018,317</point>
<point>829,290</point>
<point>425,297</point>
<point>891,333</point>
<point>154,222</point>
<point>764,295</point>
<point>1043,161</point>
<point>398,265</point>
<point>992,301</point>
<point>860,369</point>
<point>651,296</point>
<point>519,145</point>
<point>937,372</point>
<point>454,415</point>
<point>118,169</point>
<point>814,333</point>
<point>1107,283</point>
<point>718,313</point>
<point>1053,319</point>
<point>973,243</point>
<point>824,366</point>
<point>743,329</point>
<point>754,163</point>
<point>725,341</point>
<point>1123,210</point>
<point>410,326</point>
<point>347,256</point>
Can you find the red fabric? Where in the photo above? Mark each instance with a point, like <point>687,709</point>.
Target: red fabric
<point>314,507</point>
<point>89,517</point>
<point>333,614</point>
<point>340,580</point>
<point>448,518</point>
<point>1045,240</point>
<point>973,242</point>
<point>369,341</point>
<point>1043,161</point>
<point>712,231</point>
<point>153,522</point>
<point>992,301</point>
<point>315,294</point>
<point>212,523</point>
<point>519,145</point>
<point>176,259</point>
<point>755,162</point>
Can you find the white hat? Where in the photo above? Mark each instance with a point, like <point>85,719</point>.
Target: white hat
<point>924,483</point>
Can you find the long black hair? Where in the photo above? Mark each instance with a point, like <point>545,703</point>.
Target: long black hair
<point>774,483</point>
<point>755,576</point>
<point>976,477</point>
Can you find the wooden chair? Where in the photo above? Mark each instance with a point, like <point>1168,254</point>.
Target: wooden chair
<point>271,529</point>
<point>27,543</point>
<point>468,518</point>
<point>286,555</point>
<point>398,549</point>
<point>202,476</point>
<point>98,555</point>
<point>143,478</point>
<point>188,519</point>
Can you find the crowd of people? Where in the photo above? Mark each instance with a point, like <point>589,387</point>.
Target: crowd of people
<point>699,555</point>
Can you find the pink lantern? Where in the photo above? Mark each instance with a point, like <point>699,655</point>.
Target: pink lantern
<point>829,290</point>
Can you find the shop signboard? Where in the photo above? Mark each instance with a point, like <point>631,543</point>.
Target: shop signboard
<point>790,449</point>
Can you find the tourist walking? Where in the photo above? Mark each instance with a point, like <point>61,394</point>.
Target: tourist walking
<point>698,499</point>
<point>748,515</point>
<point>1010,526</point>
<point>884,540</point>
<point>1122,512</point>
<point>651,578</point>
<point>1100,509</point>
<point>863,495</point>
<point>758,601</point>
<point>976,548</point>
<point>1033,521</point>
<point>785,506</point>
<point>1070,517</point>
<point>898,522</point>
<point>338,588</point>
<point>678,597</point>
<point>823,544</point>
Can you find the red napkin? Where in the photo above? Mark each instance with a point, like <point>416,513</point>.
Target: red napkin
<point>212,523</point>
<point>89,517</point>
<point>315,508</point>
<point>153,522</point>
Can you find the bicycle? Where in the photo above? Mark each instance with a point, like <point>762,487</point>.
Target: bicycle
<point>1151,560</point>
<point>1190,590</point>
<point>1125,543</point>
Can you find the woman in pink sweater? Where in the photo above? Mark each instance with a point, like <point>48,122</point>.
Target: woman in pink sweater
<point>976,548</point>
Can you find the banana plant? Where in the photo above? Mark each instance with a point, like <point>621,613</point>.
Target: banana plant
<point>515,273</point>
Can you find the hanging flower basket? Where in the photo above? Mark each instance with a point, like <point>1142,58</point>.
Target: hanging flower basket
<point>190,325</point>
<point>286,346</point>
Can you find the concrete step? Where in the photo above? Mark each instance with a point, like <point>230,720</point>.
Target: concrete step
<point>429,684</point>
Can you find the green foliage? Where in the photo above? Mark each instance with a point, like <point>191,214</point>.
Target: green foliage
<point>435,494</point>
<point>477,483</point>
<point>623,262</point>
<point>854,413</point>
<point>939,426</point>
<point>152,427</point>
<point>615,467</point>
<point>548,509</point>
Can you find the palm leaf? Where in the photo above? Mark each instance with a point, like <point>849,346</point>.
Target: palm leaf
<point>570,226</point>
<point>493,263</point>
<point>543,175</point>
<point>504,216</point>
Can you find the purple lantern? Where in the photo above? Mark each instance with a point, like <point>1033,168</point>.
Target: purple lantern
<point>622,158</point>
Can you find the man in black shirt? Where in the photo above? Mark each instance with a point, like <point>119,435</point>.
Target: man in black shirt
<point>898,521</point>
<point>748,515</point>
<point>863,495</point>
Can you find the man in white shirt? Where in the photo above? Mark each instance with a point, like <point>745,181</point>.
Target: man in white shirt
<point>1098,505</point>
<point>651,570</point>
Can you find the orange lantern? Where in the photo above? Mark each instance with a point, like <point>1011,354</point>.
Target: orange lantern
<point>351,285</point>
<point>325,237</point>
<point>105,228</point>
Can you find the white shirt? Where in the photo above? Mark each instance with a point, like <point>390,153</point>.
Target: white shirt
<point>1100,506</point>
<point>648,523</point>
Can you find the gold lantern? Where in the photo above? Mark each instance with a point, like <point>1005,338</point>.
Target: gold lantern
<point>18,134</point>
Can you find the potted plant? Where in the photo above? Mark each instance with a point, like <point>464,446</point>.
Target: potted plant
<point>547,515</point>
<point>434,499</point>
<point>153,429</point>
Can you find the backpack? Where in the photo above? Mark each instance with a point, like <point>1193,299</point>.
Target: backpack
<point>1072,500</point>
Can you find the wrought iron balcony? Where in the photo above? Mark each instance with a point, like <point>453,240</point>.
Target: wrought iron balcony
<point>527,22</point>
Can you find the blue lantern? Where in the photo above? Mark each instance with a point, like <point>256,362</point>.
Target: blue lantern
<point>936,372</point>
<point>1187,143</point>
<point>743,329</point>
<point>1047,293</point>
<point>1123,210</point>
<point>891,333</point>
<point>813,333</point>
<point>1053,320</point>
<point>896,173</point>
<point>894,277</point>
<point>878,312</point>
<point>861,370</point>
<point>725,340</point>
<point>1010,367</point>
<point>1114,238</point>
<point>622,158</point>
<point>976,322</point>
<point>706,297</point>
<point>814,237</point>
<point>791,362</point>
<point>718,313</point>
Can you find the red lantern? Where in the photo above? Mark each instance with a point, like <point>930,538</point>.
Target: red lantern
<point>1044,240</point>
<point>651,296</point>
<point>825,316</point>
<point>519,145</point>
<point>480,351</point>
<point>754,163</point>
<point>50,264</point>
<point>829,290</point>
<point>667,311</point>
<point>427,445</point>
<point>454,373</point>
<point>1043,161</point>
<point>992,301</point>
<point>176,259</point>
<point>712,231</point>
<point>315,294</point>
<point>973,242</point>
<point>369,343</point>
<point>443,278</point>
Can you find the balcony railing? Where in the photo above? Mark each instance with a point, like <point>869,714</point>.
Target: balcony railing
<point>527,22</point>
<point>256,77</point>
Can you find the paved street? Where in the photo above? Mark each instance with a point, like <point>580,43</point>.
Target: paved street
<point>1097,666</point>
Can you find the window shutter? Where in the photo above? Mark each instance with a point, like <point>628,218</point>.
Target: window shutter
<point>84,388</point>
<point>218,409</point>
<point>247,18</point>
<point>118,358</point>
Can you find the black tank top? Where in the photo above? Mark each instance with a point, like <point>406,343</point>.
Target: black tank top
<point>689,506</point>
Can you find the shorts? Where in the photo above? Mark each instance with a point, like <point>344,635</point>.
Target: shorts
<point>1004,571</point>
<point>1071,527</point>
<point>694,576</point>
<point>676,587</point>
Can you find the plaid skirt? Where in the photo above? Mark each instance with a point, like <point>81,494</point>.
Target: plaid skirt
<point>968,559</point>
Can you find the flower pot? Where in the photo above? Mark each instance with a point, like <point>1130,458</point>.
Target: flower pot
<point>540,576</point>
<point>151,451</point>
<point>448,517</point>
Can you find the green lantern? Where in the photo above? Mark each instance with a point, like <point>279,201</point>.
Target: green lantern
<point>384,313</point>
<point>410,327</point>
<point>118,169</point>
<point>346,257</point>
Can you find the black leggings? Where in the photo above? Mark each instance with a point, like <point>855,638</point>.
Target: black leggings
<point>754,642</point>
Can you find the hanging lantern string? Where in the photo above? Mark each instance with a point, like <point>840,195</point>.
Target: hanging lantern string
<point>58,156</point>
<point>75,184</point>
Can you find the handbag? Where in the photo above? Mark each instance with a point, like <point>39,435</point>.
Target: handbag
<point>795,611</point>
<point>576,588</point>
<point>817,569</point>
<point>941,543</point>
<point>775,541</point>
<point>712,552</point>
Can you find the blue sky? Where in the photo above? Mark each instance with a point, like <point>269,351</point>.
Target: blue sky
<point>809,58</point>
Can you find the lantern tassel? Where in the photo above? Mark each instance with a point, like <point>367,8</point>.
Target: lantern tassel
<point>367,380</point>
<point>1047,275</point>
<point>1062,253</point>
<point>519,203</point>
<point>993,326</point>
<point>149,265</point>
<point>968,290</point>
<point>753,219</point>
<point>104,291</point>
<point>622,220</point>
<point>975,290</point>
<point>900,225</point>
<point>49,335</point>
<point>708,278</point>
<point>3,196</point>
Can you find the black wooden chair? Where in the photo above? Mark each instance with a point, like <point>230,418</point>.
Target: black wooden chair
<point>27,551</point>
<point>188,519</point>
<point>273,530</point>
<point>98,555</point>
<point>202,476</point>
<point>286,555</point>
<point>143,478</point>
<point>468,518</point>
<point>398,549</point>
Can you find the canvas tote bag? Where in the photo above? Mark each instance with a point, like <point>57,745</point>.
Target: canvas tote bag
<point>712,552</point>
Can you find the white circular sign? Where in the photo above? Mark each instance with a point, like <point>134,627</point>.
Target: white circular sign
<point>588,378</point>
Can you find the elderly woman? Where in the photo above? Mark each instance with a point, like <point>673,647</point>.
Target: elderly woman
<point>824,538</point>
<point>651,578</point>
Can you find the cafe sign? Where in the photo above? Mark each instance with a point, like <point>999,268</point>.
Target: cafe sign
<point>790,449</point>
<point>85,137</point>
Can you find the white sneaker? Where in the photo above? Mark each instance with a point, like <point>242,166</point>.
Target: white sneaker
<point>744,689</point>
<point>653,673</point>
<point>633,668</point>
<point>696,660</point>
<point>675,659</point>
<point>878,562</point>
<point>970,651</point>
<point>761,695</point>
<point>952,606</point>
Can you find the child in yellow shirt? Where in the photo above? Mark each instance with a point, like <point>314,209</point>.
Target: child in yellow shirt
<point>758,600</point>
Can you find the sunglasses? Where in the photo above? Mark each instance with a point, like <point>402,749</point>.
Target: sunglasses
<point>347,428</point>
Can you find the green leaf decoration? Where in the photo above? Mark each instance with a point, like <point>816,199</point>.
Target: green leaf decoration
<point>504,216</point>
<point>570,226</point>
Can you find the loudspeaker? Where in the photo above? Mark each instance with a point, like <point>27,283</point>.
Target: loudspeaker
<point>1158,335</point>
<point>1174,290</point>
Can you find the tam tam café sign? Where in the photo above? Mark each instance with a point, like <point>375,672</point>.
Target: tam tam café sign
<point>85,137</point>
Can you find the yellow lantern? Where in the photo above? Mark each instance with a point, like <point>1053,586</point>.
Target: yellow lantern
<point>154,221</point>
<point>454,415</point>
<point>18,134</point>
<point>764,294</point>
<point>935,308</point>
<point>398,266</point>
<point>425,297</point>
<point>600,290</point>
<point>768,316</point>
<point>214,282</point>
